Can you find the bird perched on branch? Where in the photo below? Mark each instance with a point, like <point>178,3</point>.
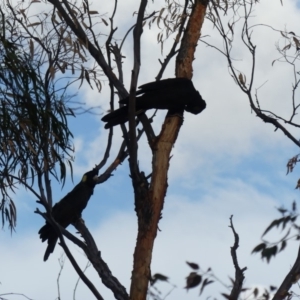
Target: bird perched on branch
<point>172,94</point>
<point>69,209</point>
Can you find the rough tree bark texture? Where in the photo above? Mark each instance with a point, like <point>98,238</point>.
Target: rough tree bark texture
<point>184,60</point>
<point>153,199</point>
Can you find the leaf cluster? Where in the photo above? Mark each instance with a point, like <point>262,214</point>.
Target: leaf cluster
<point>168,20</point>
<point>34,133</point>
<point>47,37</point>
<point>195,279</point>
<point>287,224</point>
<point>256,293</point>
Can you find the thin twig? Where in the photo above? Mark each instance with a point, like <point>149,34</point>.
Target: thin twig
<point>88,264</point>
<point>61,262</point>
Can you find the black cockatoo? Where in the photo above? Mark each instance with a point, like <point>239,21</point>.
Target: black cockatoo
<point>172,94</point>
<point>69,209</point>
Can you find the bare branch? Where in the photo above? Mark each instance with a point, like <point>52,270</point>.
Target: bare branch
<point>96,53</point>
<point>137,32</point>
<point>94,256</point>
<point>291,278</point>
<point>60,231</point>
<point>239,273</point>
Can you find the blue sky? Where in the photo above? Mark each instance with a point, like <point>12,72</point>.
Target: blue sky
<point>225,161</point>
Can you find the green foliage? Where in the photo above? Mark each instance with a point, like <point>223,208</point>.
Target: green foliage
<point>34,133</point>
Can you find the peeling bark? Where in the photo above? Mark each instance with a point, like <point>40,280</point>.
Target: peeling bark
<point>149,206</point>
<point>184,60</point>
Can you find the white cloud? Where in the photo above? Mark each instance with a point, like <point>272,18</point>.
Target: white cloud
<point>192,229</point>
